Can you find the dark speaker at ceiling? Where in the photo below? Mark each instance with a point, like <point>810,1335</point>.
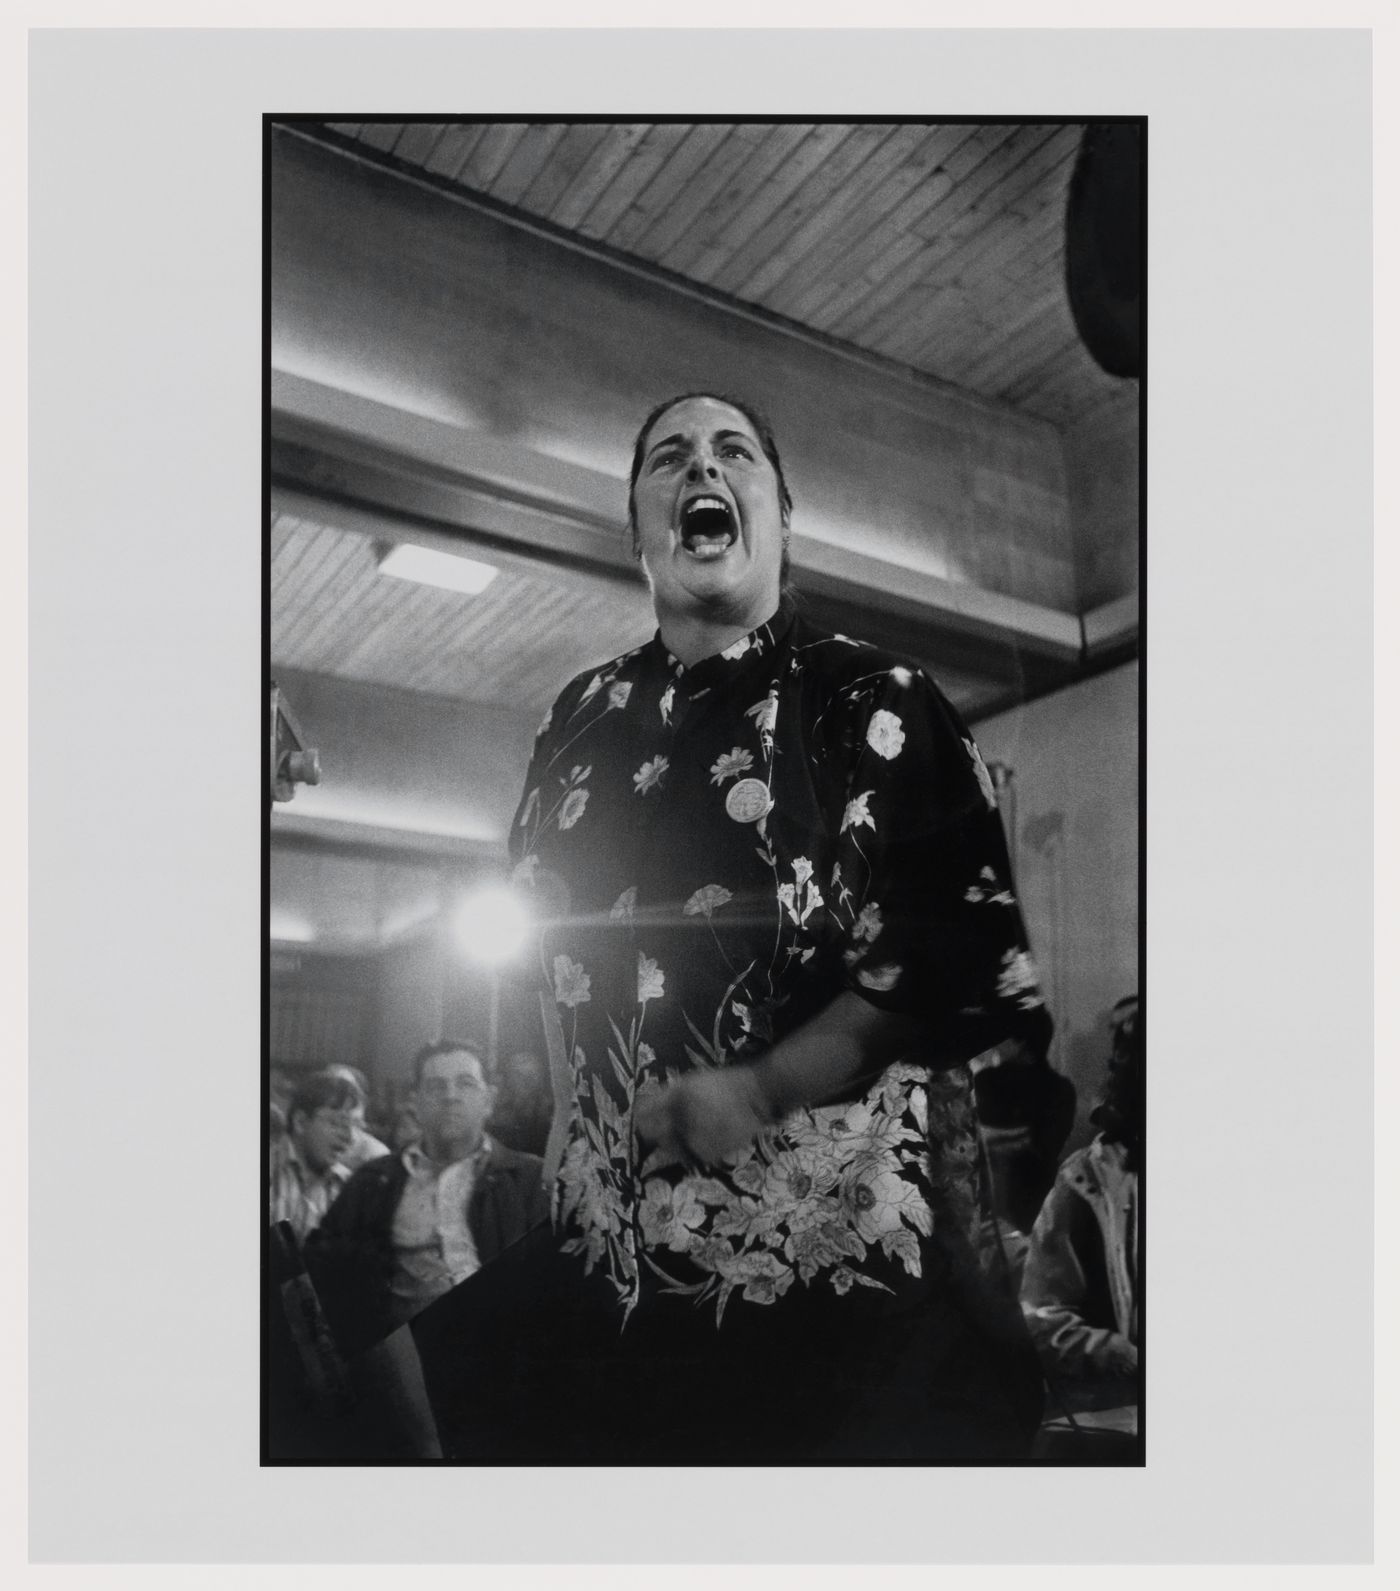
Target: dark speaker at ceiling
<point>1104,261</point>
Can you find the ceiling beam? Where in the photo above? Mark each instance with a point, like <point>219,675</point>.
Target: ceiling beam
<point>443,485</point>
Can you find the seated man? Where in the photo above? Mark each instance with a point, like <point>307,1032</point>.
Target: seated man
<point>411,1226</point>
<point>1079,1291</point>
<point>364,1146</point>
<point>307,1170</point>
<point>524,1103</point>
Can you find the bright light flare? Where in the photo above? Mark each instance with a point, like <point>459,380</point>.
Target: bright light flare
<point>431,568</point>
<point>491,925</point>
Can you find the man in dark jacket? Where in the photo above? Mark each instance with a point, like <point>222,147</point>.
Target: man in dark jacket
<point>409,1227</point>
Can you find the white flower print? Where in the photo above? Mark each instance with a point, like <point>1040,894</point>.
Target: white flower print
<point>669,1215</point>
<point>800,899</point>
<point>651,981</point>
<point>843,1278</point>
<point>857,813</point>
<point>877,1199</point>
<point>710,1253</point>
<point>591,689</point>
<point>748,1219</point>
<point>618,694</point>
<point>886,733</point>
<point>764,713</point>
<point>748,1174</point>
<point>1017,980</point>
<point>832,1185</point>
<point>900,675</point>
<point>525,870</point>
<point>709,1191</point>
<point>572,810</point>
<point>903,1246</point>
<point>795,1176</point>
<point>707,900</point>
<point>996,896</point>
<point>650,774</point>
<point>668,696</point>
<point>881,979</point>
<point>848,1131</point>
<point>584,1187</point>
<point>764,1276</point>
<point>984,779</point>
<point>868,925</point>
<point>571,982</point>
<point>532,805</point>
<point>625,905</point>
<point>732,654</point>
<point>822,1241</point>
<point>730,765</point>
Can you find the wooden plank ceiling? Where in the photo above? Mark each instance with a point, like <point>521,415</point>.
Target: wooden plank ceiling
<point>334,613</point>
<point>937,246</point>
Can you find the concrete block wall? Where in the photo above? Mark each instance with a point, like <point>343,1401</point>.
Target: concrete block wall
<point>1101,467</point>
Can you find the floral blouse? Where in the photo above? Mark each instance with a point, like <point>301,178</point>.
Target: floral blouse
<point>719,851</point>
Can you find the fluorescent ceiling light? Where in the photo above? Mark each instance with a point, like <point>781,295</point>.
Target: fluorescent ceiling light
<point>431,568</point>
<point>284,927</point>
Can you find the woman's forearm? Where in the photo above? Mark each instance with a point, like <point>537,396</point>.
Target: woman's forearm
<point>846,1040</point>
<point>711,1113</point>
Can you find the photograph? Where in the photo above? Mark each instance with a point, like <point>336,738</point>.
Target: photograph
<point>703,637</point>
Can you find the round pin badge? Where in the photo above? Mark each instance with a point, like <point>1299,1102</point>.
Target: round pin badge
<point>748,801</point>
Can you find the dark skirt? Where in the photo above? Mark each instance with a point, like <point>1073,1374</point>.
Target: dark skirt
<point>528,1363</point>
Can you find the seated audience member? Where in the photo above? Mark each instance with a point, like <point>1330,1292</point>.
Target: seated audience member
<point>307,1169</point>
<point>280,1084</point>
<point>1079,1291</point>
<point>406,1130</point>
<point>411,1226</point>
<point>524,1103</point>
<point>364,1146</point>
<point>1025,1110</point>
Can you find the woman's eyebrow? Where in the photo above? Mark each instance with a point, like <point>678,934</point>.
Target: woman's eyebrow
<point>677,440</point>
<point>666,441</point>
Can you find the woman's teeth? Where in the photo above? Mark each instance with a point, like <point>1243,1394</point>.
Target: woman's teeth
<point>707,528</point>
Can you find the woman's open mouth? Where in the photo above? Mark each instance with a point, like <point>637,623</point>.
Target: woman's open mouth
<point>708,528</point>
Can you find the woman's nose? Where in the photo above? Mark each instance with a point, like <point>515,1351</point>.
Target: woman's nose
<point>701,467</point>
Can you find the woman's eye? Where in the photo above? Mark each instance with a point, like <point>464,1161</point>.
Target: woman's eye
<point>734,450</point>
